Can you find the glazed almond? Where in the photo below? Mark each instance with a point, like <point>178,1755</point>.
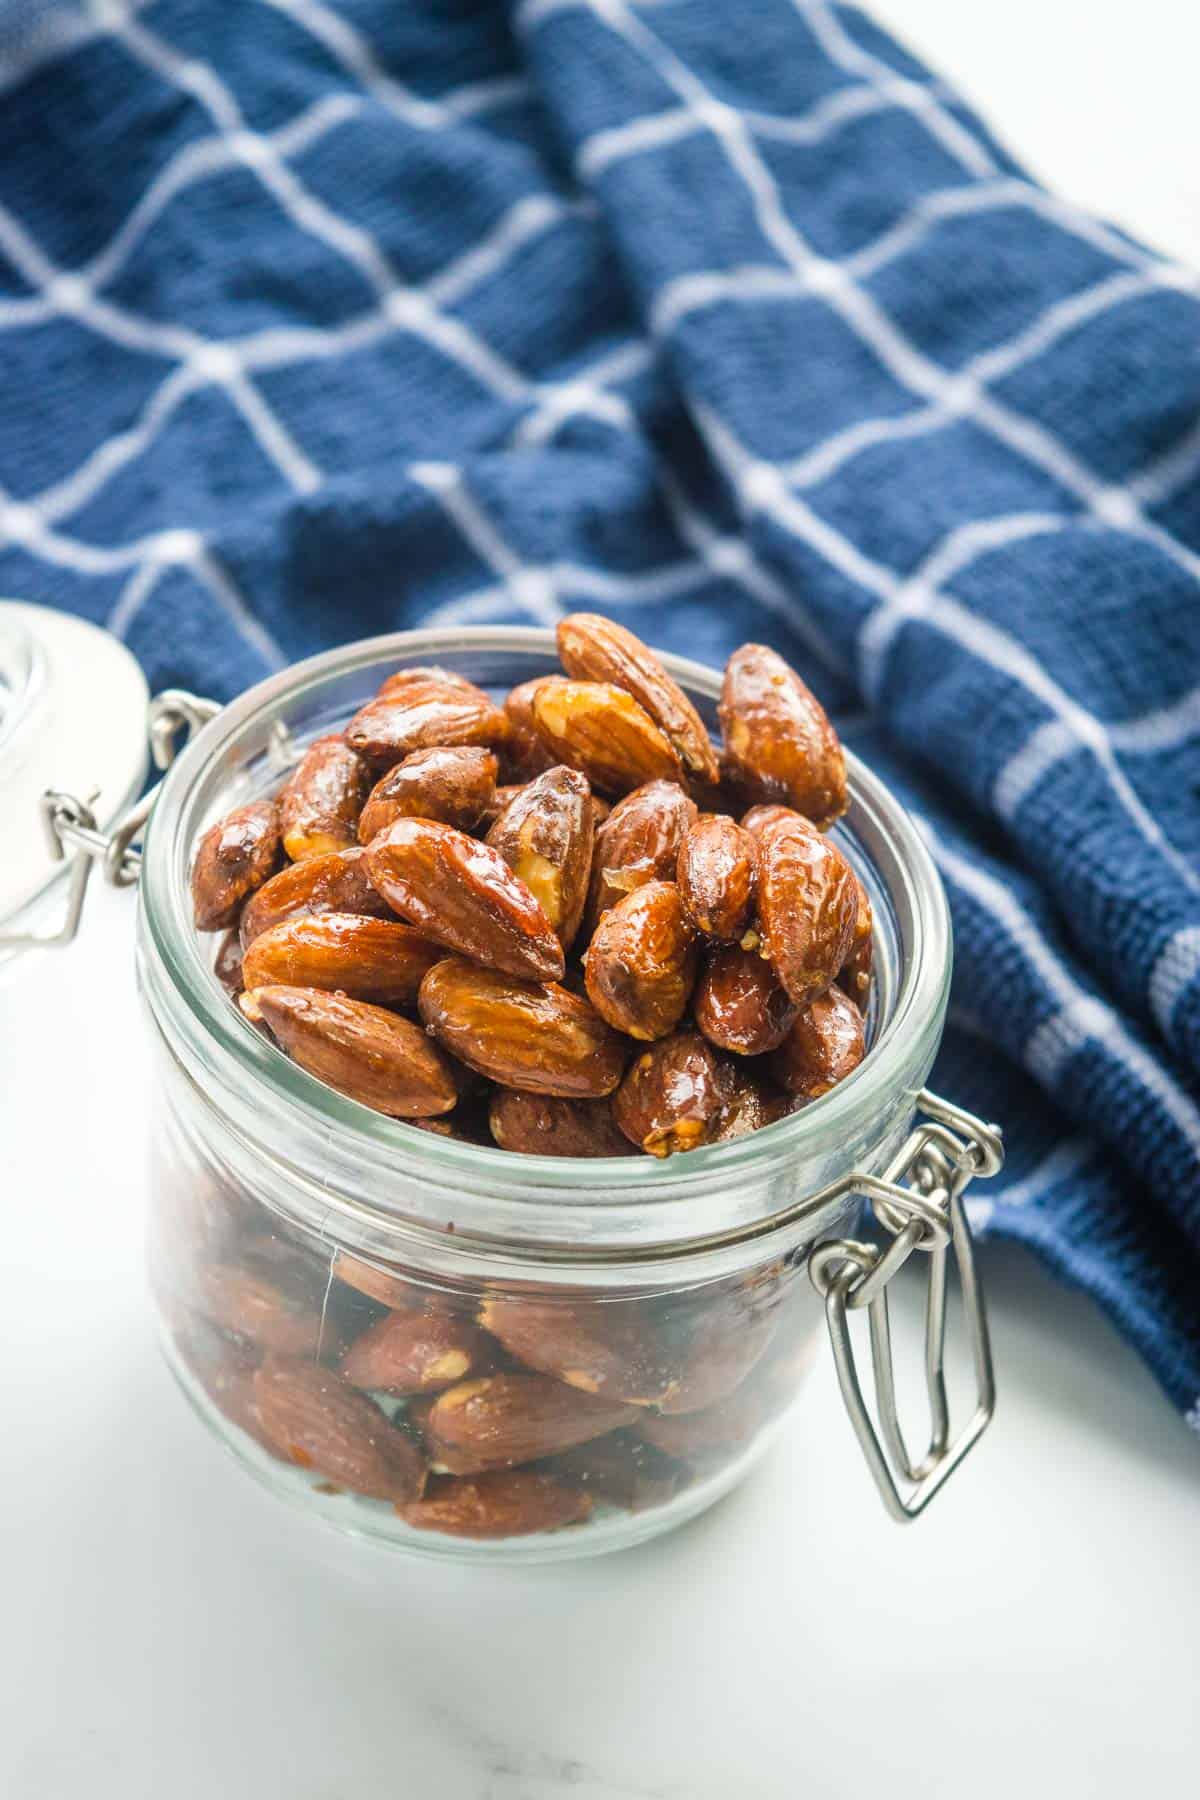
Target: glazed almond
<point>416,1353</point>
<point>825,1044</point>
<point>313,1417</point>
<point>593,648</point>
<point>759,817</point>
<point>544,1125</point>
<point>747,1104</point>
<point>376,960</point>
<point>527,755</point>
<point>319,806</point>
<point>423,715</point>
<point>333,883</point>
<point>545,836</point>
<point>638,842</point>
<point>462,894</point>
<point>602,730</point>
<point>717,873</point>
<point>671,1098</point>
<point>726,1335</point>
<point>233,859</point>
<point>641,962</point>
<point>456,785</point>
<point>423,675</point>
<point>607,1347</point>
<point>503,1503</point>
<point>740,1004</point>
<point>523,1034</point>
<point>807,906</point>
<point>779,743</point>
<point>620,1470</point>
<point>502,1420</point>
<point>854,975</point>
<point>370,1055</point>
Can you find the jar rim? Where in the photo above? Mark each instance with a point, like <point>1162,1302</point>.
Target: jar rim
<point>536,1194</point>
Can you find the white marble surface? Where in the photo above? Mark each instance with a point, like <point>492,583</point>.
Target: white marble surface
<point>172,1634</point>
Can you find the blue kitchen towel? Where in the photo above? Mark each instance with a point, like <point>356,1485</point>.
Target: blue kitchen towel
<point>322,320</point>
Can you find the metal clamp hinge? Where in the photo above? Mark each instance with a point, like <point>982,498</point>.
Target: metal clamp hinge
<point>72,830</point>
<point>919,1201</point>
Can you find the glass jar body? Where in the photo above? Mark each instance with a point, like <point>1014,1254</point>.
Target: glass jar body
<point>450,1348</point>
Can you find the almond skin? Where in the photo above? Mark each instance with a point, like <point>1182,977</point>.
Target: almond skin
<point>825,1044</point>
<point>740,1004</point>
<point>416,1353</point>
<point>717,872</point>
<point>854,976</point>
<point>779,743</point>
<point>502,1504</point>
<point>503,1420</point>
<point>228,965</point>
<point>807,906</point>
<point>334,883</point>
<point>313,1417</point>
<point>610,1348</point>
<point>462,894</point>
<point>376,960</point>
<point>543,1125</point>
<point>422,675</point>
<point>593,648</point>
<point>233,859</point>
<point>545,836</point>
<point>748,1104</point>
<point>423,715</point>
<point>319,806</point>
<point>257,1311</point>
<point>602,730</point>
<point>671,1098</point>
<point>759,817</point>
<point>370,1055</point>
<point>523,1034</point>
<point>526,754</point>
<point>456,785</point>
<point>638,842</point>
<point>641,963</point>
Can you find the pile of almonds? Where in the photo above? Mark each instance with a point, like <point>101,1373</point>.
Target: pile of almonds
<point>559,923</point>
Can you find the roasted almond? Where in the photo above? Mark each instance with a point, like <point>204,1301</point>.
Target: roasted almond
<point>233,859</point>
<point>740,1004</point>
<point>545,836</point>
<point>462,894</point>
<point>717,873</point>
<point>543,1125</point>
<point>502,1420</point>
<point>602,730</point>
<point>320,804</point>
<point>227,966</point>
<point>671,1098</point>
<point>747,1105</point>
<point>854,976</point>
<point>422,715</point>
<point>779,743</point>
<point>522,1034</point>
<point>759,817</point>
<point>727,1334</point>
<point>370,1055</point>
<point>334,883</point>
<point>501,1504</point>
<point>593,648</point>
<point>807,906</point>
<point>606,1347</point>
<point>365,959</point>
<point>716,1431</point>
<point>456,785</point>
<point>638,842</point>
<point>620,1470</point>
<point>825,1044</point>
<point>313,1417</point>
<point>423,675</point>
<point>525,753</point>
<point>641,962</point>
<point>258,1311</point>
<point>416,1353</point>
<point>388,1286</point>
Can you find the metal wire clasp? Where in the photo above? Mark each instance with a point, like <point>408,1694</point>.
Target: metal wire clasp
<point>918,1199</point>
<point>71,826</point>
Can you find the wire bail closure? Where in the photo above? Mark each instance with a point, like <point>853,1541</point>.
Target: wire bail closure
<point>71,827</point>
<point>919,1201</point>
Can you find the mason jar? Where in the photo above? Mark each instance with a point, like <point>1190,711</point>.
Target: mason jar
<point>463,1351</point>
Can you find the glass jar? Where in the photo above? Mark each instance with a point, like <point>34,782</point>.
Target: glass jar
<point>465,1351</point>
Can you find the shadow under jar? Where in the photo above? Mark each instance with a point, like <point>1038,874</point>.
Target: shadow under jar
<point>453,1348</point>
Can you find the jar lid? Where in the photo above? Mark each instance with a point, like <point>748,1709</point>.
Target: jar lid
<point>72,719</point>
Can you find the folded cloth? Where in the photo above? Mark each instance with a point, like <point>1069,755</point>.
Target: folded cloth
<point>732,322</point>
